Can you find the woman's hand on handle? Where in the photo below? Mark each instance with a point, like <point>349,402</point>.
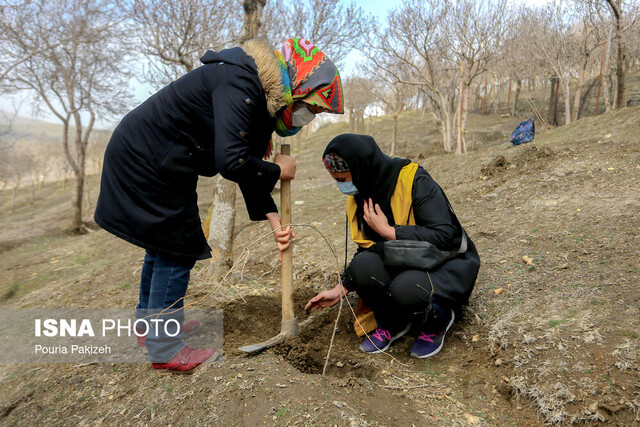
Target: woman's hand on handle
<point>287,165</point>
<point>377,220</point>
<point>282,236</point>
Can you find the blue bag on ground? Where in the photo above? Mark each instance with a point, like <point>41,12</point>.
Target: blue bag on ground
<point>524,132</point>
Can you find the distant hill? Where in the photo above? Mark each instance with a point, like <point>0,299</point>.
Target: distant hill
<point>32,127</point>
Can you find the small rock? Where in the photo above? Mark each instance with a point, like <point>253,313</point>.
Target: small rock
<point>339,364</point>
<point>498,362</point>
<point>593,407</point>
<point>281,385</point>
<point>475,338</point>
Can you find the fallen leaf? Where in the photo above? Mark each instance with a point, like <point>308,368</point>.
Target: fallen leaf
<point>475,338</point>
<point>611,169</point>
<point>497,291</point>
<point>527,259</point>
<point>607,136</point>
<point>472,419</point>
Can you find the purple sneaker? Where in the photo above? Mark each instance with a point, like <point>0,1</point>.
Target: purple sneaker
<point>381,339</point>
<point>428,345</point>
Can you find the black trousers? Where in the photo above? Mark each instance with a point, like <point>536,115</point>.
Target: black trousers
<point>396,297</point>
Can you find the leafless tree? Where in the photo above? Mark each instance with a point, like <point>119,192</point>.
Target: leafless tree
<point>622,10</point>
<point>14,166</point>
<point>334,26</point>
<point>442,45</point>
<point>413,42</point>
<point>175,33</point>
<point>474,37</point>
<point>359,93</point>
<point>79,71</point>
<point>603,29</point>
<point>557,47</point>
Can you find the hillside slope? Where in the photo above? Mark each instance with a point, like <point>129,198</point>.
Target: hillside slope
<point>551,338</point>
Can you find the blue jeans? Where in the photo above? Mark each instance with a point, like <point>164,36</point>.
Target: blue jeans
<point>163,284</point>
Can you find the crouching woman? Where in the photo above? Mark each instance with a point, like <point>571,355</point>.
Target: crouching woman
<point>393,199</point>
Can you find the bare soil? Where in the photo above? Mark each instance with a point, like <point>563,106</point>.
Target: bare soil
<point>551,334</point>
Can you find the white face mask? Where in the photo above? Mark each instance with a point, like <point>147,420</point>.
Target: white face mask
<point>301,117</point>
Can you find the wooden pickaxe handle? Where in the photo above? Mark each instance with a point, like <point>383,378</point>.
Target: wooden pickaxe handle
<point>287,259</point>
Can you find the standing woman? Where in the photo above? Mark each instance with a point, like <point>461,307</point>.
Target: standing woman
<point>393,199</point>
<point>218,118</point>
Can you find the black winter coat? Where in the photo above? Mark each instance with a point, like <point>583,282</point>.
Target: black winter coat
<point>212,120</point>
<point>436,222</point>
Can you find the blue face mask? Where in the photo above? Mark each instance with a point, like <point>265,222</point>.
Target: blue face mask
<point>347,188</point>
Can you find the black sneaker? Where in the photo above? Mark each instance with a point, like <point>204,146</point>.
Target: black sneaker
<point>428,345</point>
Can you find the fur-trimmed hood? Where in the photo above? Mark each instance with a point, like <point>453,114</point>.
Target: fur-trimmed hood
<point>268,71</point>
<point>266,63</point>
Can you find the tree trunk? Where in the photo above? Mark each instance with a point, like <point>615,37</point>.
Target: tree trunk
<point>484,96</point>
<point>223,212</point>
<point>34,182</point>
<point>567,101</point>
<point>459,112</point>
<point>77,225</point>
<point>64,179</point>
<point>576,100</point>
<point>221,228</point>
<point>466,92</point>
<point>552,92</point>
<point>394,140</point>
<point>516,98</point>
<point>13,196</point>
<point>605,75</point>
<point>507,110</point>
<point>621,58</point>
<point>585,96</point>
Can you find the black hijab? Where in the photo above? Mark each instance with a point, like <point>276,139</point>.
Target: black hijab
<point>374,173</point>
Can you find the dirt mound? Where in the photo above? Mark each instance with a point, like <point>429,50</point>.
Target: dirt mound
<point>533,155</point>
<point>495,166</point>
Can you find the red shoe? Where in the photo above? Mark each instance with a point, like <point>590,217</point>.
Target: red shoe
<point>187,360</point>
<point>186,328</point>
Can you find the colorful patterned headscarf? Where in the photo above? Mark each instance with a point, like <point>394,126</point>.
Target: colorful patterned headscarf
<point>308,75</point>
